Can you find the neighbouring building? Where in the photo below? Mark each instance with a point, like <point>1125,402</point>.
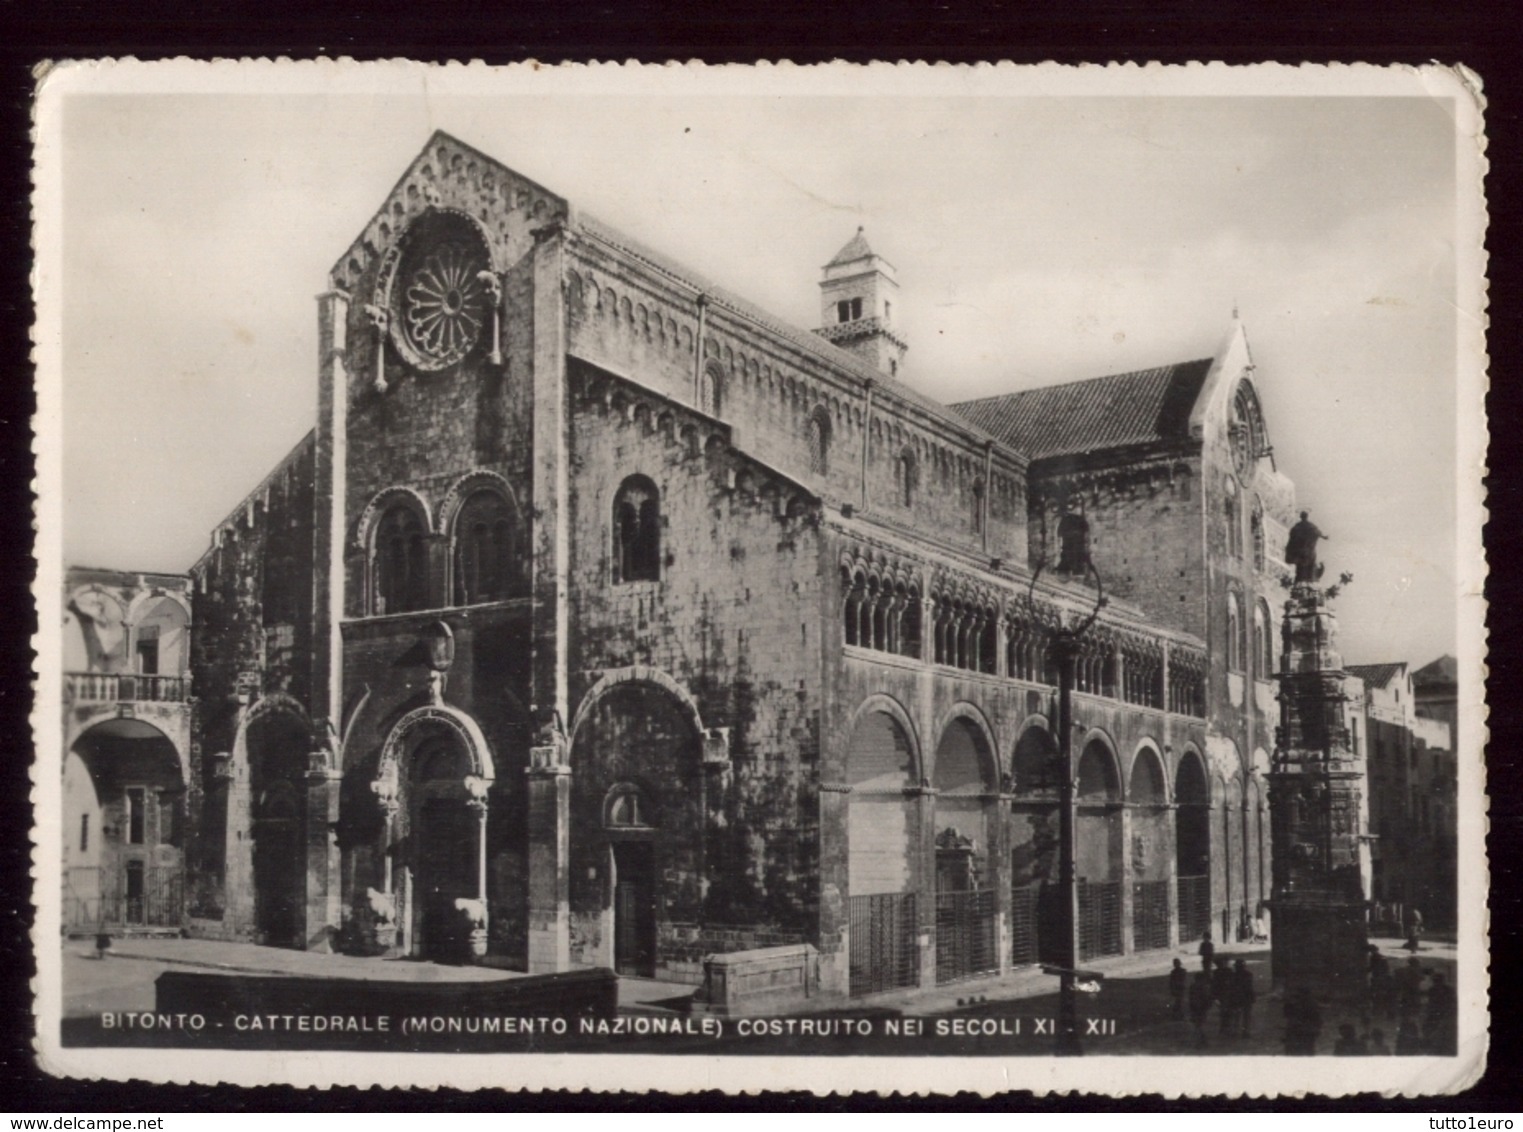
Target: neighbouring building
<point>605,619</point>
<point>1412,790</point>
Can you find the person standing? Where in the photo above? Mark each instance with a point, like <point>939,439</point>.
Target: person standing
<point>1414,927</point>
<point>1242,979</point>
<point>1224,986</point>
<point>1200,1006</point>
<point>1179,979</point>
<point>1207,951</point>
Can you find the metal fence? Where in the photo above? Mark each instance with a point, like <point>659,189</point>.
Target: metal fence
<point>1025,916</point>
<point>1194,907</point>
<point>885,954</point>
<point>123,898</point>
<point>966,935</point>
<point>1099,918</point>
<point>1150,915</point>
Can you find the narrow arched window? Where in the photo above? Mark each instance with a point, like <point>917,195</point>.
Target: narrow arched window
<point>1263,628</point>
<point>400,562</point>
<point>486,549</point>
<point>906,477</point>
<point>1234,634</point>
<point>711,390</point>
<point>978,507</point>
<point>1256,524</point>
<point>637,531</point>
<point>1234,517</point>
<point>819,442</point>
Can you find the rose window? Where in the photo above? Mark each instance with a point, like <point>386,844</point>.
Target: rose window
<point>444,308</point>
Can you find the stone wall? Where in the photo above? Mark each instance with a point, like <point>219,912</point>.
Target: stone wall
<point>725,641</point>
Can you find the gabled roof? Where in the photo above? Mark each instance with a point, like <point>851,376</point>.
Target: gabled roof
<point>1377,675</point>
<point>1444,670</point>
<point>1123,410</point>
<point>856,248</point>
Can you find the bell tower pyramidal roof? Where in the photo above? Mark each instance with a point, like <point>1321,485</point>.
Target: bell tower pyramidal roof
<point>858,293</point>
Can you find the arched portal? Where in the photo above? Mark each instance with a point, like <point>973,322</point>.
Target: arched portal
<point>1097,856</point>
<point>965,904</point>
<point>1192,847</point>
<point>1152,851</point>
<point>883,844</point>
<point>278,745</point>
<point>1033,843</point>
<point>446,843</point>
<point>124,808</point>
<point>648,807</point>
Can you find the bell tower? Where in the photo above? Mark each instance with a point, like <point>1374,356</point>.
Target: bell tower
<point>858,294</point>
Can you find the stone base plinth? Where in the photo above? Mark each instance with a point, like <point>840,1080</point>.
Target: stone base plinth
<point>1321,944</point>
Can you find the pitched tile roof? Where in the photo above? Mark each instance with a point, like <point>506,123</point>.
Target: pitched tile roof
<point>1118,411</point>
<point>1444,670</point>
<point>856,248</point>
<point>1376,675</point>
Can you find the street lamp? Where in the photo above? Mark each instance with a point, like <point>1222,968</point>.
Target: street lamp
<point>1064,648</point>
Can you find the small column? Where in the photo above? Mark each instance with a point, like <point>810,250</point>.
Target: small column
<point>476,911</point>
<point>925,880</point>
<point>323,911</point>
<point>1173,891</point>
<point>835,880</point>
<point>1000,874</point>
<point>384,908</point>
<point>1128,894</point>
<point>549,860</point>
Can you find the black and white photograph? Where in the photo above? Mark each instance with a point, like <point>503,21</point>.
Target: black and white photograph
<point>903,577</point>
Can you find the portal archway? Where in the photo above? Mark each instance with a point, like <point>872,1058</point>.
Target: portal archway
<point>124,809</point>
<point>883,846</point>
<point>1033,836</point>
<point>1152,850</point>
<point>1192,846</point>
<point>278,746</point>
<point>966,785</point>
<point>1097,855</point>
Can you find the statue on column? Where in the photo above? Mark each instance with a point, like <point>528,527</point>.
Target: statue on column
<point>1073,541</point>
<point>1301,549</point>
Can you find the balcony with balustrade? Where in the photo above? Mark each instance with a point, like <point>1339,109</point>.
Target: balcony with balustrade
<point>126,687</point>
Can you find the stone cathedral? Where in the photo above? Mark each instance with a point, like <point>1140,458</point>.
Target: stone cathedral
<point>603,619</point>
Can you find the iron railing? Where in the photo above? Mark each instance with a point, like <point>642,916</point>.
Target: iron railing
<point>1194,907</point>
<point>1025,916</point>
<point>120,687</point>
<point>123,898</point>
<point>885,954</point>
<point>1150,915</point>
<point>966,935</point>
<point>1099,918</point>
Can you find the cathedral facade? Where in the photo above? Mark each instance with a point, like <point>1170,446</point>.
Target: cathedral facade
<point>605,620</point>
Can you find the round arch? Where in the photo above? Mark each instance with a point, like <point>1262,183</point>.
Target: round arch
<point>613,678</point>
<point>986,747</point>
<point>364,527</point>
<point>453,721</point>
<point>1147,783</point>
<point>886,704</point>
<point>466,486</point>
<point>1031,757</point>
<point>1098,757</point>
<point>150,597</point>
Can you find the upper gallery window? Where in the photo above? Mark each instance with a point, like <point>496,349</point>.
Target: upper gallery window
<point>400,563</point>
<point>1234,515</point>
<point>711,390</point>
<point>906,478</point>
<point>848,310</point>
<point>637,531</point>
<point>486,549</point>
<point>819,442</point>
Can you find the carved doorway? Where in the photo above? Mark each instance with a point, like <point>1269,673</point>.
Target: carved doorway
<point>634,908</point>
<point>445,834</point>
<point>278,861</point>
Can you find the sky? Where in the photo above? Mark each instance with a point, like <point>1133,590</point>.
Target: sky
<point>1036,240</point>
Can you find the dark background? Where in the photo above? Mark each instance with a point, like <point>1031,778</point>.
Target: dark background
<point>1482,36</point>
